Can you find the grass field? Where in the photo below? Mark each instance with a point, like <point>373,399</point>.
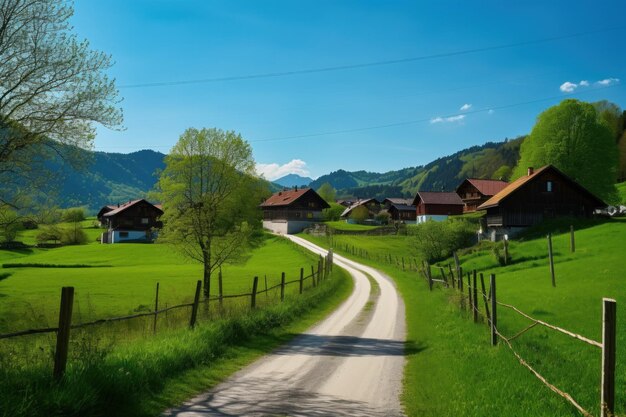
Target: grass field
<point>457,372</point>
<point>621,188</point>
<point>122,279</point>
<point>345,226</point>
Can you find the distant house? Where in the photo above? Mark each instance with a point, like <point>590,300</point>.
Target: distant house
<point>134,221</point>
<point>541,194</point>
<point>291,211</point>
<point>436,206</point>
<point>372,205</point>
<point>401,209</point>
<point>474,192</point>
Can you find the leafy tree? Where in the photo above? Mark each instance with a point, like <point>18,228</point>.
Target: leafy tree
<point>52,234</point>
<point>210,198</point>
<point>333,213</point>
<point>571,137</point>
<point>612,116</point>
<point>383,217</point>
<point>434,241</point>
<point>327,192</point>
<point>74,235</point>
<point>504,173</point>
<point>53,89</point>
<point>74,215</point>
<point>360,213</point>
<point>10,225</point>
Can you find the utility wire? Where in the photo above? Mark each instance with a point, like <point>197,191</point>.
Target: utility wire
<point>368,64</point>
<point>410,122</point>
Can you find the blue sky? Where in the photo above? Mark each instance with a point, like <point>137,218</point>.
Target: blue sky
<point>503,90</point>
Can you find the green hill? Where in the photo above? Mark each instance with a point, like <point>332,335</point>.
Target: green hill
<point>491,160</point>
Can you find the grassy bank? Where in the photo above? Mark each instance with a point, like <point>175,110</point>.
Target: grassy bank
<point>144,377</point>
<point>458,373</point>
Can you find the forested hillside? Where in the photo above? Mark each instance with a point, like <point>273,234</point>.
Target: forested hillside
<point>491,160</point>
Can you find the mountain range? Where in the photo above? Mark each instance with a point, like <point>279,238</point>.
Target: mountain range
<point>111,178</point>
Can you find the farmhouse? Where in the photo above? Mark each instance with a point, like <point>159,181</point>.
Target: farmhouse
<point>475,192</point>
<point>541,194</point>
<point>401,209</point>
<point>291,211</point>
<point>371,204</point>
<point>134,221</point>
<point>436,205</point>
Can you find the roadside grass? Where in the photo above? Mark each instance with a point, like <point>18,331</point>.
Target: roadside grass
<point>122,279</point>
<point>147,376</point>
<point>345,226</point>
<point>459,373</point>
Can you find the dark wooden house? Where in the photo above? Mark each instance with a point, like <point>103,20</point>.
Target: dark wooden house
<point>401,209</point>
<point>291,211</point>
<point>475,192</point>
<point>436,206</point>
<point>371,204</point>
<point>135,221</point>
<point>544,193</point>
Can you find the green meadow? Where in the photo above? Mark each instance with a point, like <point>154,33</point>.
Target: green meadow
<point>455,371</point>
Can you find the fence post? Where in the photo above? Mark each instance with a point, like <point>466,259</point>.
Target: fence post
<point>219,283</point>
<point>63,334</point>
<point>451,276</point>
<point>475,298</point>
<point>607,400</point>
<point>430,278</point>
<point>457,265</point>
<point>443,276</point>
<point>469,290</point>
<point>461,279</point>
<point>332,258</point>
<point>301,279</point>
<point>494,311</point>
<point>551,258</point>
<point>156,308</point>
<point>282,286</point>
<point>482,284</point>
<point>572,241</point>
<point>313,275</point>
<point>194,307</point>
<point>255,284</point>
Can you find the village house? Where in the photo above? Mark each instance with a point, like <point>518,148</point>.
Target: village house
<point>475,192</point>
<point>544,193</point>
<point>291,211</point>
<point>401,209</point>
<point>371,204</point>
<point>431,205</point>
<point>134,221</point>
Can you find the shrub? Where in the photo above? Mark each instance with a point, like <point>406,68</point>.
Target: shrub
<point>333,213</point>
<point>360,214</point>
<point>49,234</point>
<point>383,217</point>
<point>74,215</point>
<point>437,240</point>
<point>74,236</point>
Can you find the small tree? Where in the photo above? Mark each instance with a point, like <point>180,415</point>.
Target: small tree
<point>383,217</point>
<point>327,192</point>
<point>210,198</point>
<point>52,234</point>
<point>360,214</point>
<point>333,213</point>
<point>10,225</point>
<point>74,215</point>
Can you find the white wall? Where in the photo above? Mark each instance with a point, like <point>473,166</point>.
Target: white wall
<point>436,217</point>
<point>286,227</point>
<point>132,235</point>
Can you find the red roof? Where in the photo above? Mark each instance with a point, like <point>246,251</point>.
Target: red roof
<point>288,197</point>
<point>124,206</point>
<point>487,187</point>
<point>432,197</point>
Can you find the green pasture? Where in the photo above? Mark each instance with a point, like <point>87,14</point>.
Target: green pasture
<point>347,227</point>
<point>455,371</point>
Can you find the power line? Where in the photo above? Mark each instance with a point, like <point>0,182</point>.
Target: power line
<point>368,64</point>
<point>416,121</point>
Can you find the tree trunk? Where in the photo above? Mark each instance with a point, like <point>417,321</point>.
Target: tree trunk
<point>207,273</point>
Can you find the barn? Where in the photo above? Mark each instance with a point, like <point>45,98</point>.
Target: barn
<point>544,193</point>
<point>475,192</point>
<point>291,211</point>
<point>436,206</point>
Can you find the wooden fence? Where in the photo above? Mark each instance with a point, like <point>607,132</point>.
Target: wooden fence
<point>453,278</point>
<point>318,274</point>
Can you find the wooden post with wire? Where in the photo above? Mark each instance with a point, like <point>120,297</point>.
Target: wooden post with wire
<point>607,400</point>
<point>482,284</point>
<point>282,287</point>
<point>156,309</point>
<point>457,265</point>
<point>220,288</point>
<point>255,284</point>
<point>63,333</point>
<point>572,240</point>
<point>551,259</point>
<point>194,307</point>
<point>443,276</point>
<point>475,298</point>
<point>313,275</point>
<point>494,311</point>
<point>301,279</point>
<point>451,276</point>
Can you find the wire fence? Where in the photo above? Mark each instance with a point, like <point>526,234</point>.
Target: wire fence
<point>217,306</point>
<point>453,278</point>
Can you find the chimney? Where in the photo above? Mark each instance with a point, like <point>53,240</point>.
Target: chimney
<point>280,193</point>
<point>296,188</point>
<point>530,171</point>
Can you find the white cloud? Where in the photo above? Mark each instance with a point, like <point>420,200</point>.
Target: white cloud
<point>447,119</point>
<point>465,107</point>
<point>274,171</point>
<point>568,87</point>
<point>608,81</point>
<point>490,111</point>
<point>584,83</point>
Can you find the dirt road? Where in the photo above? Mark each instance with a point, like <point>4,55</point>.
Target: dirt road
<point>350,364</point>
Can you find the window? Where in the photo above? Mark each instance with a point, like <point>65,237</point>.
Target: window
<point>144,220</point>
<point>549,186</point>
<point>123,234</point>
<point>312,204</point>
<point>309,215</point>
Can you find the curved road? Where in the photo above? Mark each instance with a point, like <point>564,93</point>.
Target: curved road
<point>350,364</point>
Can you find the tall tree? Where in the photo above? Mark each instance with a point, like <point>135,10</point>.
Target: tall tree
<point>53,88</point>
<point>327,192</point>
<point>210,198</point>
<point>571,137</point>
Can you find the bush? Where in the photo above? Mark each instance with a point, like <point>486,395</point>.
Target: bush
<point>437,240</point>
<point>74,215</point>
<point>10,225</point>
<point>383,217</point>
<point>74,236</point>
<point>49,234</point>
<point>333,213</point>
